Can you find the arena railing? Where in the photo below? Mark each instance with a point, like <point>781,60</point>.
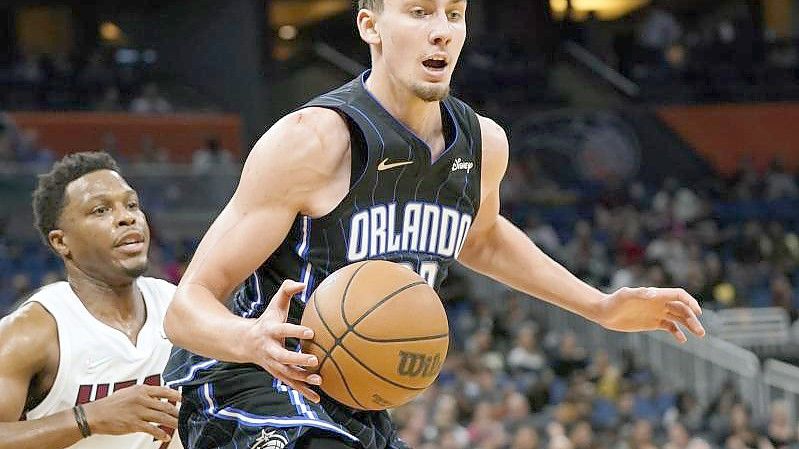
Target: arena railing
<point>700,366</point>
<point>781,382</point>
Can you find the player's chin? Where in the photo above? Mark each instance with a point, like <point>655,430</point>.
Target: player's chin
<point>430,92</point>
<point>135,266</point>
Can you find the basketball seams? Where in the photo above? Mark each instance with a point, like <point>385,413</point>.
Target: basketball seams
<point>344,379</point>
<point>383,301</point>
<point>329,354</point>
<point>400,340</point>
<point>377,375</point>
<point>329,330</point>
<point>344,295</point>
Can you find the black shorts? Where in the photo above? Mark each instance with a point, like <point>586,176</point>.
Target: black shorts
<point>240,406</point>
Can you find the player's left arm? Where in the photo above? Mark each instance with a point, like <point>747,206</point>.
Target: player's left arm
<point>500,250</point>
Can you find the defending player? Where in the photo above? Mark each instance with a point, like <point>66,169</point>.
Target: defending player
<point>81,361</point>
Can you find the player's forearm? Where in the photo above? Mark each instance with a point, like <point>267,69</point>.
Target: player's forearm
<point>507,255</point>
<point>199,322</point>
<point>56,431</point>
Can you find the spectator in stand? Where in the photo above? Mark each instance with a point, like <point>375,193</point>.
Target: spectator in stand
<point>8,152</point>
<point>213,158</point>
<point>95,78</point>
<point>678,437</point>
<point>780,432</point>
<point>526,358</point>
<point>779,183</point>
<point>151,101</point>
<point>109,102</point>
<point>582,435</point>
<point>526,437</point>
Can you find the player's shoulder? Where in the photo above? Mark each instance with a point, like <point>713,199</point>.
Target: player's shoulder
<point>29,334</point>
<point>313,132</point>
<point>319,128</point>
<point>495,145</point>
<point>493,133</point>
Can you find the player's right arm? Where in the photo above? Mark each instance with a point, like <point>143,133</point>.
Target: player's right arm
<point>28,348</point>
<point>300,166</point>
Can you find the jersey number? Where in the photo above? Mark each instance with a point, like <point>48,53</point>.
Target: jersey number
<point>428,270</point>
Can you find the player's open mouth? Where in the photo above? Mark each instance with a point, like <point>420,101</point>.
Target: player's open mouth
<point>435,64</point>
<point>131,243</point>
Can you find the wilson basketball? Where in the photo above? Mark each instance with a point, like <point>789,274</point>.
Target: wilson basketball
<point>380,334</point>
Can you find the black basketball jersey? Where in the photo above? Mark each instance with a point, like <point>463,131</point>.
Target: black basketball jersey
<point>402,206</point>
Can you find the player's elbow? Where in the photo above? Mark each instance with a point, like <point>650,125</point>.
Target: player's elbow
<point>475,253</point>
<point>175,314</point>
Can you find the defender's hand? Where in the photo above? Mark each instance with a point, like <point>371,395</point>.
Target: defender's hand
<point>648,309</point>
<point>139,408</point>
<point>267,342</point>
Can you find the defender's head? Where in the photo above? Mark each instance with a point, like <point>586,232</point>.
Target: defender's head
<point>415,42</point>
<point>88,214</point>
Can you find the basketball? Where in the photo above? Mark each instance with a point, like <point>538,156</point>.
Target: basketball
<point>380,334</point>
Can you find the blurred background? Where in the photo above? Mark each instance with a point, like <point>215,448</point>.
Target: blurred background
<point>653,143</point>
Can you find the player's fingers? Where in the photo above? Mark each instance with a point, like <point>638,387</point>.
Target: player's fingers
<point>163,393</point>
<point>672,328</point>
<point>280,300</point>
<point>155,431</point>
<point>163,407</point>
<point>294,373</point>
<point>288,330</point>
<point>691,322</point>
<point>680,295</point>
<point>291,372</point>
<point>283,356</point>
<point>304,390</point>
<point>679,309</point>
<point>160,418</point>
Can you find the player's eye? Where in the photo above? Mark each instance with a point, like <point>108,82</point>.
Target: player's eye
<point>455,15</point>
<point>418,12</point>
<point>99,210</point>
<point>133,205</point>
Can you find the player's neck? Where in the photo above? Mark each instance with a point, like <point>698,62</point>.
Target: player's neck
<point>421,117</point>
<point>115,301</point>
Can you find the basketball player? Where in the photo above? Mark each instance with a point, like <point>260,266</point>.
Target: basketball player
<point>80,361</point>
<point>389,166</point>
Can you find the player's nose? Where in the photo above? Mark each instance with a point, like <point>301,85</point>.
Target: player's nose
<point>126,217</point>
<point>440,30</point>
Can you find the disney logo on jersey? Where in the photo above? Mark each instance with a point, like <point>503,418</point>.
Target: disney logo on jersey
<point>460,164</point>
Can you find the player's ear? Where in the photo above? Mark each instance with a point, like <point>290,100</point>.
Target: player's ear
<point>367,26</point>
<point>58,241</point>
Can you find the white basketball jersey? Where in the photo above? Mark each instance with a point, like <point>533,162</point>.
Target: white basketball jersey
<point>96,360</point>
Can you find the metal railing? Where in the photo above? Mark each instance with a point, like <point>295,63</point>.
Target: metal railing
<point>701,366</point>
<point>781,382</point>
<point>604,71</point>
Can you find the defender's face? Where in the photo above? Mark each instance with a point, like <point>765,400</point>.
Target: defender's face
<point>421,41</point>
<point>104,232</point>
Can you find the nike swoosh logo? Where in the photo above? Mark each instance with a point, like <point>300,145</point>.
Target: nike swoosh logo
<point>386,166</point>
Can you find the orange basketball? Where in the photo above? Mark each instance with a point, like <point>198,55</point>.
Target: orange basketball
<point>380,334</point>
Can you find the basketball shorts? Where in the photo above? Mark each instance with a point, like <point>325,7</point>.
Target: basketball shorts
<point>240,406</point>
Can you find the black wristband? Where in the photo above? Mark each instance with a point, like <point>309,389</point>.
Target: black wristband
<point>80,418</point>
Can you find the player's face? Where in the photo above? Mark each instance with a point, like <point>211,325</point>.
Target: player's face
<point>421,41</point>
<point>104,232</point>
